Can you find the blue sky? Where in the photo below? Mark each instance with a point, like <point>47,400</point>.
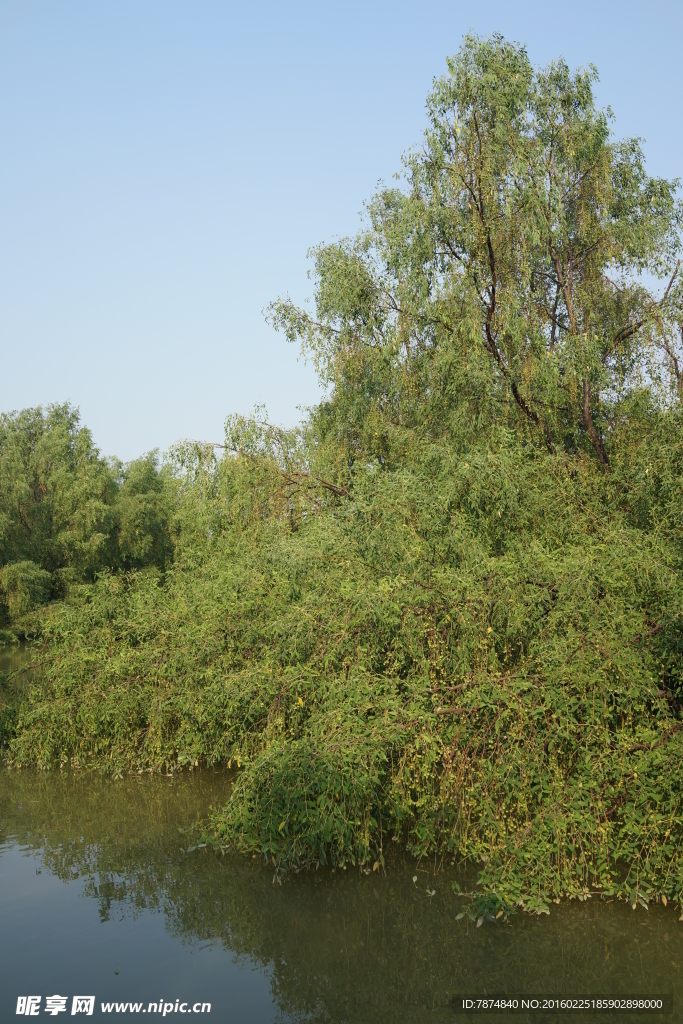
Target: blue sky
<point>164,168</point>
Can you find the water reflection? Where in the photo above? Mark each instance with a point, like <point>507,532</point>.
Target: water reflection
<point>329,947</point>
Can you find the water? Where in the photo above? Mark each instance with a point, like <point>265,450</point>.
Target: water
<point>98,895</point>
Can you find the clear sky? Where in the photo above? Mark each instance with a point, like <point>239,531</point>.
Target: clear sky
<point>164,167</point>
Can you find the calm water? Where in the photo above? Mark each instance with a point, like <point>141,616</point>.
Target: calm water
<point>100,896</point>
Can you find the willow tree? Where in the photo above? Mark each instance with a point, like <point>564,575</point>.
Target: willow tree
<point>520,256</point>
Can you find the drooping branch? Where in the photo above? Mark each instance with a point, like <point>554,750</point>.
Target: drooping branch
<point>623,335</point>
<point>674,361</point>
<point>553,316</point>
<point>22,517</point>
<point>300,477</point>
<point>495,351</point>
<point>628,332</point>
<point>292,477</point>
<point>586,412</point>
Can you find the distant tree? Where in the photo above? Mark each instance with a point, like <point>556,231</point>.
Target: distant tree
<point>56,492</point>
<point>143,515</point>
<point>66,513</point>
<point>23,586</point>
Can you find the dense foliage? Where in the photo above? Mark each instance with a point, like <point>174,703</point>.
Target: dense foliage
<point>66,513</point>
<point>447,610</point>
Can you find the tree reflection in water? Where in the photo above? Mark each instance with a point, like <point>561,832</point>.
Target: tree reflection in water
<point>338,946</point>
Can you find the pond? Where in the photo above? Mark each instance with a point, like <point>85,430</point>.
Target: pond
<point>102,893</point>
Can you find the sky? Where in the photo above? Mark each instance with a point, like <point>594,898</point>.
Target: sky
<point>165,166</point>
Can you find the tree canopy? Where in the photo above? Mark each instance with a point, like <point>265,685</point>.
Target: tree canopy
<point>66,513</point>
<point>510,276</point>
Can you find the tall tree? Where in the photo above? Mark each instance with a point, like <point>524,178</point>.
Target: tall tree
<point>518,257</point>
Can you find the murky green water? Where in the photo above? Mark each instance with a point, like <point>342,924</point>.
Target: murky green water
<point>100,896</point>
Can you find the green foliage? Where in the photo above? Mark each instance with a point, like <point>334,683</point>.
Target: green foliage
<point>67,514</point>
<point>407,662</point>
<point>448,609</point>
<point>56,493</point>
<point>23,587</point>
<point>144,511</point>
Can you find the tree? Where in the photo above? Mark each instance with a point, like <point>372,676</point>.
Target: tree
<point>66,513</point>
<point>513,263</point>
<point>56,492</point>
<point>144,507</point>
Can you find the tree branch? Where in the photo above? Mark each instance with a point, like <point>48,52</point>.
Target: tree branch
<point>586,409</point>
<point>627,332</point>
<point>590,427</point>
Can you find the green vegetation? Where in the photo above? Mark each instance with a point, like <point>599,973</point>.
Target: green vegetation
<point>67,514</point>
<point>447,610</point>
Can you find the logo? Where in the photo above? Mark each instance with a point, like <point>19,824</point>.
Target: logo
<point>29,1006</point>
